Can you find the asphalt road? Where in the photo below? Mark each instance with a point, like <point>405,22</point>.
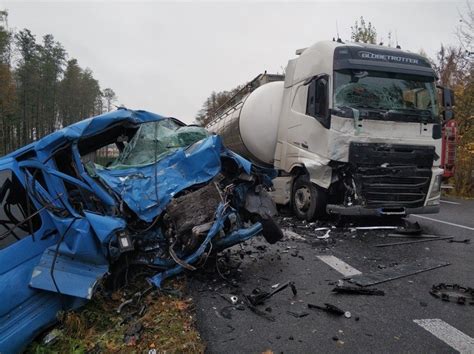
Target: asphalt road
<point>406,319</point>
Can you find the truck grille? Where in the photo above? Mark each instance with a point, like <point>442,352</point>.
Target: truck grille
<point>391,175</point>
<point>392,187</point>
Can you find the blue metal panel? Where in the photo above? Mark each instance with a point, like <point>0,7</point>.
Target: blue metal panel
<point>24,322</point>
<point>72,276</point>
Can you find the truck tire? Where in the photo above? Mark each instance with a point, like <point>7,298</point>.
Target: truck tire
<point>308,201</point>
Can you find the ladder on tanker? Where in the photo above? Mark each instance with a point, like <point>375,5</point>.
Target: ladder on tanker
<point>236,100</point>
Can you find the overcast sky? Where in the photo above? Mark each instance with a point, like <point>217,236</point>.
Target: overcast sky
<point>168,57</point>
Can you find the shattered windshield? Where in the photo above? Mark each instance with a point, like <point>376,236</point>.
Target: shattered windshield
<point>154,140</point>
<point>385,92</point>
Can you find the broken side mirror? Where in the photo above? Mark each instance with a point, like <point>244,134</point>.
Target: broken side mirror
<point>447,102</point>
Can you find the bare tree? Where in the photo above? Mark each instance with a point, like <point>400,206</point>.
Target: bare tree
<point>465,30</point>
<point>364,32</point>
<point>109,97</point>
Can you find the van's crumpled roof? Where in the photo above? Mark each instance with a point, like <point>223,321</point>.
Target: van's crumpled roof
<point>147,190</point>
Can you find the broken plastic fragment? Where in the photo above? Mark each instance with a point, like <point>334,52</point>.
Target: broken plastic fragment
<point>329,308</point>
<point>325,236</point>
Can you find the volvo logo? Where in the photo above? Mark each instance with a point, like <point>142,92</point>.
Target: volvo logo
<point>388,57</point>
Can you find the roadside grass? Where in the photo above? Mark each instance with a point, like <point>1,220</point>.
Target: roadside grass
<point>167,324</point>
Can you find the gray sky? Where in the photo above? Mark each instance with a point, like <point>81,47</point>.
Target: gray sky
<point>168,57</point>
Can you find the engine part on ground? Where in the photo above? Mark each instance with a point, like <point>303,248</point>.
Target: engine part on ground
<point>454,293</point>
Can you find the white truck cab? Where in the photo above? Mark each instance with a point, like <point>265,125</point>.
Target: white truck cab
<point>353,129</point>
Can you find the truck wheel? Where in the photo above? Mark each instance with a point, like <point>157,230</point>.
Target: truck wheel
<point>308,200</point>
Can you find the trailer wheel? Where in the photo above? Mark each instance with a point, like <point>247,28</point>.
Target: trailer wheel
<point>308,200</point>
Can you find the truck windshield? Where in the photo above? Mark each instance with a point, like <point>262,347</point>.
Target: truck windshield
<point>390,95</point>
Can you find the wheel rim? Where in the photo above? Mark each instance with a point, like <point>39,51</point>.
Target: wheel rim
<point>303,198</point>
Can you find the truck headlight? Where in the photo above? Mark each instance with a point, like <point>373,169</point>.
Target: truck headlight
<point>436,188</point>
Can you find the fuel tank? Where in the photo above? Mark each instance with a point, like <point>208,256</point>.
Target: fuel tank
<point>250,127</point>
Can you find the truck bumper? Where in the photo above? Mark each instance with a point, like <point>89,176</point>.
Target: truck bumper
<point>364,211</point>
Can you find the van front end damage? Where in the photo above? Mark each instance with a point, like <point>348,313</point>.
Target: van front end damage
<point>127,188</point>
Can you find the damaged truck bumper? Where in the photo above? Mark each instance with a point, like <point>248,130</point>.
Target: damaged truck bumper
<point>388,179</point>
<point>357,210</point>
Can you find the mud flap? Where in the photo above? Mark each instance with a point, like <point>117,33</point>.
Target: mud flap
<point>259,202</point>
<point>270,230</point>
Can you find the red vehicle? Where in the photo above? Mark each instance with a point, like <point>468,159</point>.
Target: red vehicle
<point>448,151</point>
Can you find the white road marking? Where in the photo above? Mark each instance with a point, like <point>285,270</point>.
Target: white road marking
<point>339,265</point>
<point>449,202</point>
<point>448,334</point>
<point>444,222</point>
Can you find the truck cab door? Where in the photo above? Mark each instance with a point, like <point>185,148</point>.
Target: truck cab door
<point>317,105</point>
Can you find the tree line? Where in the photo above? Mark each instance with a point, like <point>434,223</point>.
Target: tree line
<point>41,88</point>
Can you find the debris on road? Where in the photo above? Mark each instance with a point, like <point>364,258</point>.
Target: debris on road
<point>416,236</point>
<point>329,308</point>
<point>297,314</point>
<point>232,299</point>
<point>325,236</point>
<point>357,290</point>
<point>259,312</point>
<point>431,239</point>
<point>258,297</point>
<point>292,235</point>
<point>453,292</point>
<point>396,272</point>
<point>467,240</point>
<point>410,229</point>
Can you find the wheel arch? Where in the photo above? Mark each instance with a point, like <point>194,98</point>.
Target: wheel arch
<point>318,174</point>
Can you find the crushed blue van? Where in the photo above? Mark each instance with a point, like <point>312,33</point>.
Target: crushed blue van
<point>126,187</point>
